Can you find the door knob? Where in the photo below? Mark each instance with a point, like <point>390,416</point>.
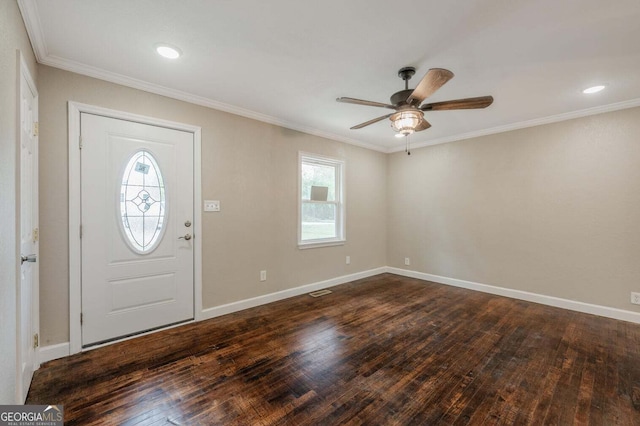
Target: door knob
<point>31,258</point>
<point>186,237</point>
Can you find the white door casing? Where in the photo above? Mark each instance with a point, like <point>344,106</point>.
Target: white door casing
<point>75,248</point>
<point>28,291</point>
<point>137,273</point>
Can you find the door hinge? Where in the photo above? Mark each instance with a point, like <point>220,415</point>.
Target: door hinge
<point>36,128</point>
<point>80,142</point>
<point>36,235</point>
<point>81,318</point>
<point>80,231</point>
<point>35,341</point>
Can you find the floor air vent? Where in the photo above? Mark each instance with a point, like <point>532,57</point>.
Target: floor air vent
<point>320,293</point>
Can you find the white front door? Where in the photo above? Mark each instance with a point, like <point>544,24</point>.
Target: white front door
<point>137,207</point>
<point>28,291</point>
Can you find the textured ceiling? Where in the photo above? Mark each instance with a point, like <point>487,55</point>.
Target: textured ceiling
<point>286,61</point>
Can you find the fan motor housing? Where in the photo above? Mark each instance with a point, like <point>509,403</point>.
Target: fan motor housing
<point>400,98</point>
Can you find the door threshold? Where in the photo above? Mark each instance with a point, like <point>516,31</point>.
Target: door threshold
<point>130,336</point>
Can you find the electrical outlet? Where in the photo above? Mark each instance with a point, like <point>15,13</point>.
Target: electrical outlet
<point>348,260</point>
<point>635,298</point>
<point>407,261</point>
<point>263,275</point>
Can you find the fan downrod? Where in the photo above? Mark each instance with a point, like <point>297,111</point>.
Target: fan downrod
<point>400,97</point>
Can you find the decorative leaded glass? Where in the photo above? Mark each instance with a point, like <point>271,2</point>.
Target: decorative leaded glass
<point>142,202</point>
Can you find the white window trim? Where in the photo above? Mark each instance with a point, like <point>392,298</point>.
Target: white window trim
<point>340,201</point>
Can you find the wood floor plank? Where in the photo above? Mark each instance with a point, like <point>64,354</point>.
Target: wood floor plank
<point>385,350</point>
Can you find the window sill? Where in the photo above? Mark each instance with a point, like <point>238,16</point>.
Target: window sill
<point>304,246</point>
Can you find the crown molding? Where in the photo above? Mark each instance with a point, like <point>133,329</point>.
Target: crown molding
<point>123,80</point>
<point>31,17</point>
<point>524,124</point>
<point>134,83</point>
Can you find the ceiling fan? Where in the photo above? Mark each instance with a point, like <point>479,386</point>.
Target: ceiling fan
<point>409,114</point>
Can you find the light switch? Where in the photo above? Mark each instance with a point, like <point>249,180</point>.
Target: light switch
<point>211,205</point>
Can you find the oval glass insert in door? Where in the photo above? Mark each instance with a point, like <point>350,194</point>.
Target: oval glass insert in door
<point>142,203</point>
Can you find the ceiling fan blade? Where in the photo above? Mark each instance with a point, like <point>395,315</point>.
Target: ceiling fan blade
<point>424,125</point>
<point>467,103</point>
<point>362,102</point>
<point>366,123</point>
<point>434,79</point>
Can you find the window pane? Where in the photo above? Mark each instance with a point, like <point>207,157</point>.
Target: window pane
<point>318,175</point>
<point>318,221</point>
<point>142,202</point>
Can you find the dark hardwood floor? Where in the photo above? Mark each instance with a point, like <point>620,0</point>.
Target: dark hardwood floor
<point>385,350</point>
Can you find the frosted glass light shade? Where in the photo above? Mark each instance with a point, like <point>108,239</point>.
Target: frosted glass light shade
<point>406,122</point>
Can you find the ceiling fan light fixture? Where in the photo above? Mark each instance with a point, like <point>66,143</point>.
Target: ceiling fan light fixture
<point>408,117</point>
<point>405,122</point>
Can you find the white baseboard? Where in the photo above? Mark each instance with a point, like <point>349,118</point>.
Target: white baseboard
<point>217,311</point>
<point>588,308</point>
<point>61,350</point>
<point>51,352</point>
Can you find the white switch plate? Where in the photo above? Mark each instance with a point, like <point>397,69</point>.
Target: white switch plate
<point>348,260</point>
<point>211,205</point>
<point>263,275</point>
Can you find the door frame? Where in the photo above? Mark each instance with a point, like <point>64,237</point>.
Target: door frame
<point>23,72</point>
<point>75,214</point>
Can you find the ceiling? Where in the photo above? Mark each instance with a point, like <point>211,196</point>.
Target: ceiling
<point>286,61</point>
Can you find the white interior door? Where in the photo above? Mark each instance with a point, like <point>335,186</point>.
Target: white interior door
<point>28,291</point>
<point>137,207</point>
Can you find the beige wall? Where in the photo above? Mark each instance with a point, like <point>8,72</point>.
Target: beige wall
<point>553,209</point>
<point>13,37</point>
<point>250,166</point>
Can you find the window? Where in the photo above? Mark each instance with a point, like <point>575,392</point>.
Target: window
<point>142,202</point>
<point>321,208</point>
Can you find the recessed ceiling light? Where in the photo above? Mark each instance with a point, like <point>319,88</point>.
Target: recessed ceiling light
<point>168,51</point>
<point>399,135</point>
<point>594,89</point>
